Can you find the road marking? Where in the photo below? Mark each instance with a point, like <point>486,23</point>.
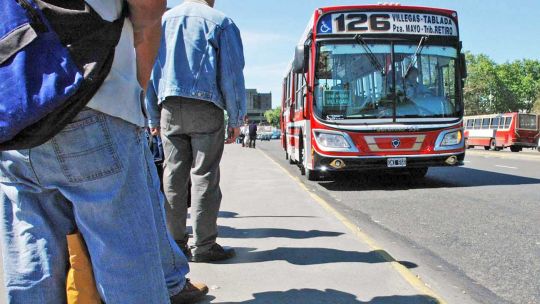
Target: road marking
<point>405,273</point>
<point>507,167</point>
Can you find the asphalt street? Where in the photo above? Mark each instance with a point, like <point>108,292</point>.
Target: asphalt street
<point>472,228</point>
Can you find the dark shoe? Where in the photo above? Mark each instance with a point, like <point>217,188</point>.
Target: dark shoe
<point>192,292</point>
<point>216,253</point>
<point>185,249</point>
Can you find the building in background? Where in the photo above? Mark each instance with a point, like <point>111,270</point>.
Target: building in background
<point>257,104</point>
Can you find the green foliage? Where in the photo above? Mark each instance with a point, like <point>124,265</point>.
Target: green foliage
<point>536,107</point>
<point>494,88</point>
<point>272,116</point>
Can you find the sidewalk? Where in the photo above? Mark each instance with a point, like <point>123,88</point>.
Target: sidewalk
<point>292,247</point>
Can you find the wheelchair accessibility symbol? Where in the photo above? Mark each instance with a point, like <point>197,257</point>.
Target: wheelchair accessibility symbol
<point>325,28</point>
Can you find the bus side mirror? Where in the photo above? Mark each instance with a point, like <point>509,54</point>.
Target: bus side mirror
<point>300,62</point>
<point>463,65</point>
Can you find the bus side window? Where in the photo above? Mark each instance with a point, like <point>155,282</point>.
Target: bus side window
<point>289,99</point>
<point>495,123</point>
<point>470,123</point>
<point>300,86</point>
<point>485,123</point>
<point>507,122</point>
<point>478,123</point>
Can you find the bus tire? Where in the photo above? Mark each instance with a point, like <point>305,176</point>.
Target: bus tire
<point>492,145</point>
<point>418,173</point>
<point>515,148</point>
<point>486,148</point>
<point>312,175</point>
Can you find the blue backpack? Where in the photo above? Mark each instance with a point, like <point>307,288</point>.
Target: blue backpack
<point>54,56</point>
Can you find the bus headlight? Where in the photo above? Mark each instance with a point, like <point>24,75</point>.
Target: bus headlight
<point>334,141</point>
<point>331,140</point>
<point>452,138</point>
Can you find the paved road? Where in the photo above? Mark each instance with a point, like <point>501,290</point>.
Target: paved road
<point>474,228</point>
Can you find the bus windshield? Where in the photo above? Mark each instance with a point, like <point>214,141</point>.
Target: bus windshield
<point>351,84</point>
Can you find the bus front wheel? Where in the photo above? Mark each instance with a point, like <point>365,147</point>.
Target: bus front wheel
<point>312,175</point>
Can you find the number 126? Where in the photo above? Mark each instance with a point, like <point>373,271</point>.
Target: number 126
<point>360,22</point>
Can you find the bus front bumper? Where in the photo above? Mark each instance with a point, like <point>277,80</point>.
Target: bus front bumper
<point>336,163</point>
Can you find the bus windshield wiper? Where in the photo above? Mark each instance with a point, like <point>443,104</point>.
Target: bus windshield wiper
<point>372,58</point>
<point>418,52</point>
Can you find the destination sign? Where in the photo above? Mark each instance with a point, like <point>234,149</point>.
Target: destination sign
<point>335,98</point>
<point>387,23</point>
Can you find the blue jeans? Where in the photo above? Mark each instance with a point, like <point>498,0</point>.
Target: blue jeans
<point>96,176</point>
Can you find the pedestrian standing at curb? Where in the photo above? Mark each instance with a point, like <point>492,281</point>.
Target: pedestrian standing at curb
<point>252,134</point>
<point>95,176</point>
<point>244,130</point>
<point>198,74</point>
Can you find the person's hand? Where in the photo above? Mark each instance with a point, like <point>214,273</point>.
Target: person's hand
<point>154,131</point>
<point>233,135</point>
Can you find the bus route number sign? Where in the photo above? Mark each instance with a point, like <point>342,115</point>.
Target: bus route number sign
<point>387,23</point>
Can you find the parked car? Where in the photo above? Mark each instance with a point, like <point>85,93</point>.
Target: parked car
<point>276,134</point>
<point>264,136</point>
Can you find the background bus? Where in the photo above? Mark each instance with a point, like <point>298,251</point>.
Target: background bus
<point>375,87</point>
<point>498,131</point>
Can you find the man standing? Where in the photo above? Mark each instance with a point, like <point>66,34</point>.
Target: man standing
<point>95,176</point>
<point>197,75</point>
<point>252,134</point>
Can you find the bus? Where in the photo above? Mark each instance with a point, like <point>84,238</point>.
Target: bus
<point>375,87</point>
<point>498,131</point>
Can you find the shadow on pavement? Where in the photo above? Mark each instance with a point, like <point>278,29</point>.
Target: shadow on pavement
<point>314,296</point>
<point>436,178</point>
<point>307,256</point>
<point>228,214</point>
<point>257,233</point>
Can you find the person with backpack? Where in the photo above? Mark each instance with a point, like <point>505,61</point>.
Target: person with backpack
<point>252,134</point>
<point>198,74</point>
<point>79,160</point>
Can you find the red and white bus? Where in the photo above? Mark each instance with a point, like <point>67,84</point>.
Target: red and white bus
<point>498,131</point>
<point>375,87</point>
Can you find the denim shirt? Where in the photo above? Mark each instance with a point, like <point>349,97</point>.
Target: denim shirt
<point>201,57</point>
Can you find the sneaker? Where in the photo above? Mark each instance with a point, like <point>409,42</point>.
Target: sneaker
<point>191,293</point>
<point>214,254</point>
<point>185,249</point>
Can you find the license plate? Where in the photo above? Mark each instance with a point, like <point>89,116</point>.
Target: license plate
<point>396,162</point>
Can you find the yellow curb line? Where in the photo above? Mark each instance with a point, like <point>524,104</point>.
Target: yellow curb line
<point>407,275</point>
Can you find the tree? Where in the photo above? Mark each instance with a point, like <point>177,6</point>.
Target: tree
<point>536,107</point>
<point>496,88</point>
<point>272,116</point>
<point>481,84</point>
<point>522,79</point>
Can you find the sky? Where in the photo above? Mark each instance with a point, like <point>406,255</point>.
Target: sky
<point>505,30</point>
